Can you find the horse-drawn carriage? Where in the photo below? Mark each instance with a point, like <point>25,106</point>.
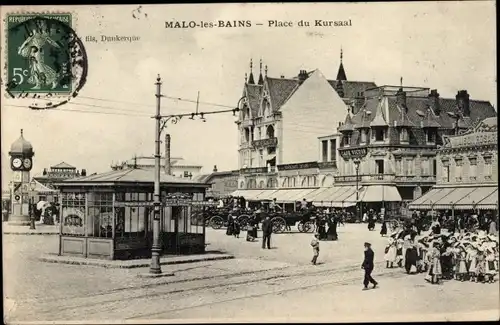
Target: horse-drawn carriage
<point>303,219</point>
<point>218,217</point>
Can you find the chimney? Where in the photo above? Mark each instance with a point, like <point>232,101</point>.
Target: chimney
<point>463,102</point>
<point>401,99</point>
<point>84,172</point>
<point>168,169</point>
<point>434,102</point>
<point>302,76</point>
<point>215,168</point>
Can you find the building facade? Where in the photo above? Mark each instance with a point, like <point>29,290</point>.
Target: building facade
<point>179,166</point>
<point>467,171</point>
<point>222,183</point>
<point>280,122</point>
<point>58,173</point>
<point>391,141</point>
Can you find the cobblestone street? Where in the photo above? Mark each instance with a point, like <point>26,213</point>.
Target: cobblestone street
<point>257,283</point>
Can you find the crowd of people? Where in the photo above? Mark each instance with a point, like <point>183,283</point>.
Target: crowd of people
<point>464,255</point>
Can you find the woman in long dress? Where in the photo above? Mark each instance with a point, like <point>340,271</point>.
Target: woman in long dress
<point>390,253</point>
<point>410,254</point>
<point>462,271</point>
<point>331,233</point>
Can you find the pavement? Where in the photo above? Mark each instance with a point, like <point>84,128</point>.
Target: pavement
<point>259,284</point>
<point>40,229</point>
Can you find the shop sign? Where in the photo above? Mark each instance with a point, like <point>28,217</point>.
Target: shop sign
<point>473,139</point>
<point>353,153</point>
<point>307,165</point>
<point>134,204</point>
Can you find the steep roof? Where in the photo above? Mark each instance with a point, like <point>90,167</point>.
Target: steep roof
<point>253,93</point>
<point>280,89</point>
<point>348,125</point>
<point>379,119</point>
<point>352,88</point>
<point>393,114</point>
<point>341,73</point>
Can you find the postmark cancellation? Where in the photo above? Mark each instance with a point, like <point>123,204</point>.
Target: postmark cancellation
<point>45,59</point>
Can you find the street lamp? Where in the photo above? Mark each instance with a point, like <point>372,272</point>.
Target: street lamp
<point>31,209</point>
<point>357,161</point>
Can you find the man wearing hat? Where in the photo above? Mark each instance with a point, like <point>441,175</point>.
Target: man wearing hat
<point>368,266</point>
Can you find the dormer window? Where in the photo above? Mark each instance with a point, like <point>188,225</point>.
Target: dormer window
<point>403,135</point>
<point>430,136</point>
<point>347,138</point>
<point>379,134</point>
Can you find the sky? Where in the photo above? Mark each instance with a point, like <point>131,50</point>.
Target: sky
<point>441,45</point>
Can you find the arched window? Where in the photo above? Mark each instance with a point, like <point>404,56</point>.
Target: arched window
<point>242,185</point>
<point>271,182</point>
<point>270,132</point>
<point>261,184</point>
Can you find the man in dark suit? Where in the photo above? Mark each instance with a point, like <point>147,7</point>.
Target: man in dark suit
<point>368,266</point>
<point>267,230</point>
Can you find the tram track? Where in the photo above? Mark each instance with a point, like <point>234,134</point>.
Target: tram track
<point>110,297</point>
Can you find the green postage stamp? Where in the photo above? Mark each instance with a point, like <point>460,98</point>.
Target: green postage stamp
<point>44,55</point>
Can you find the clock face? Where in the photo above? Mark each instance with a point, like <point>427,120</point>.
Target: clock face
<point>27,163</point>
<point>17,162</point>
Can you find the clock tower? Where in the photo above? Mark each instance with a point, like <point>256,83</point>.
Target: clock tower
<point>21,161</point>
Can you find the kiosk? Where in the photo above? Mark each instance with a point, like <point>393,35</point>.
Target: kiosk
<point>110,215</point>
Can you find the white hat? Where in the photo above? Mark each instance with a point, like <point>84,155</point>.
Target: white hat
<point>407,237</point>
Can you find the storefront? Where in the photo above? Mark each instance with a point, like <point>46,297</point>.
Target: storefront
<point>110,215</point>
<point>467,172</point>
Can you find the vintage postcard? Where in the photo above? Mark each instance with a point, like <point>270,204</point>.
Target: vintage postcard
<point>249,162</point>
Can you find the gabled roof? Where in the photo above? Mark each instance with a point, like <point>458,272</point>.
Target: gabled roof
<point>352,88</point>
<point>429,120</point>
<point>129,175</point>
<point>487,125</point>
<point>347,126</point>
<point>63,165</point>
<point>280,89</point>
<point>379,119</point>
<point>253,93</point>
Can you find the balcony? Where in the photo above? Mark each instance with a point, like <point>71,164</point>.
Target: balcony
<point>247,123</point>
<point>265,143</point>
<point>414,179</point>
<point>367,178</point>
<point>346,179</point>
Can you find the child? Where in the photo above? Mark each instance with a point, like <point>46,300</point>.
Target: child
<point>461,270</point>
<point>315,246</point>
<point>435,266</point>
<point>480,266</point>
<point>472,260</point>
<point>390,253</point>
<point>236,230</point>
<point>491,270</point>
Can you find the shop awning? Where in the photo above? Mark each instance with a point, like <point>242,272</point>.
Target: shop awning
<point>316,193</point>
<point>470,201</point>
<point>326,204</point>
<point>430,198</point>
<point>379,193</point>
<point>247,194</point>
<point>291,195</point>
<point>265,195</point>
<point>329,194</point>
<point>490,202</point>
<point>349,195</point>
<point>448,202</point>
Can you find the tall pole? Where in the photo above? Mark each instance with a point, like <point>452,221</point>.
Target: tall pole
<point>156,248</point>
